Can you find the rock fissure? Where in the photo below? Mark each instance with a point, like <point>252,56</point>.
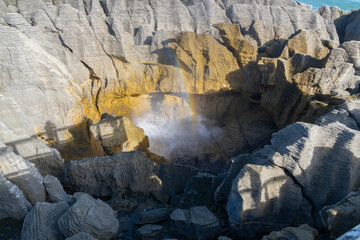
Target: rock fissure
<point>303,193</point>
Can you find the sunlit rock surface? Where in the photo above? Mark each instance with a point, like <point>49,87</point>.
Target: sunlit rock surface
<point>24,174</point>
<point>13,202</point>
<point>206,80</point>
<point>78,60</point>
<point>118,134</point>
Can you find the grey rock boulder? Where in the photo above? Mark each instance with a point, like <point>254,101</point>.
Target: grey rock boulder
<point>205,223</point>
<point>81,236</point>
<point>306,156</point>
<point>352,31</point>
<point>279,190</point>
<point>55,190</point>
<point>223,190</point>
<point>104,176</point>
<point>224,238</point>
<point>303,232</point>
<point>42,221</point>
<point>91,216</point>
<point>174,177</point>
<point>199,190</point>
<point>149,216</point>
<point>149,231</point>
<point>353,234</point>
<point>13,203</point>
<point>264,198</point>
<point>118,134</point>
<point>347,52</point>
<point>24,174</point>
<point>342,216</point>
<point>180,223</point>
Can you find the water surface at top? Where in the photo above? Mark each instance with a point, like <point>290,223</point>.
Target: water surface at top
<point>342,4</point>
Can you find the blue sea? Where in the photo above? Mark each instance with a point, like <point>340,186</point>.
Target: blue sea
<point>342,4</point>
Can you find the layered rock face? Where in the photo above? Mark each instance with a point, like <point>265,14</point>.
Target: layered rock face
<point>163,63</point>
<point>205,80</point>
<point>306,167</point>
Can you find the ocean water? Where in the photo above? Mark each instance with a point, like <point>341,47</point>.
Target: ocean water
<point>342,4</point>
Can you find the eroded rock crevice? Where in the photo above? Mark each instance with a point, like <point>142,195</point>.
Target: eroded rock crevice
<point>182,116</point>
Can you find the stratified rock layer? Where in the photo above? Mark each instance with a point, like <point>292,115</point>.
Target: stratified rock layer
<point>342,216</point>
<point>24,174</point>
<point>104,176</point>
<point>12,200</point>
<point>78,60</point>
<point>91,216</point>
<point>118,134</point>
<point>280,190</point>
<point>42,221</point>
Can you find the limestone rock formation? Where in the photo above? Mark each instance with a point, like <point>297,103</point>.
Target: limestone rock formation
<point>353,233</point>
<point>342,216</point>
<point>104,176</point>
<point>180,223</point>
<point>223,75</point>
<point>55,190</point>
<point>174,177</point>
<point>303,232</point>
<point>306,42</point>
<point>118,134</point>
<point>129,50</point>
<point>149,231</point>
<point>151,216</point>
<point>12,200</point>
<point>197,223</point>
<point>205,223</point>
<point>91,216</point>
<point>199,190</point>
<point>298,156</point>
<point>81,236</point>
<point>259,197</point>
<point>42,221</point>
<point>24,174</point>
<point>352,31</point>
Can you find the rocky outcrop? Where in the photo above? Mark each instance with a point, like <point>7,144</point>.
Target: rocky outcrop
<point>222,74</point>
<point>13,202</point>
<point>342,216</point>
<point>306,42</point>
<point>204,222</point>
<point>298,156</point>
<point>303,232</point>
<point>149,231</point>
<point>199,190</point>
<point>151,216</point>
<point>55,190</point>
<point>352,234</point>
<point>24,174</point>
<point>259,193</point>
<point>118,134</point>
<point>104,176</point>
<point>352,31</point>
<point>180,223</point>
<point>81,236</point>
<point>129,51</point>
<point>42,221</point>
<point>91,216</point>
<point>196,223</point>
